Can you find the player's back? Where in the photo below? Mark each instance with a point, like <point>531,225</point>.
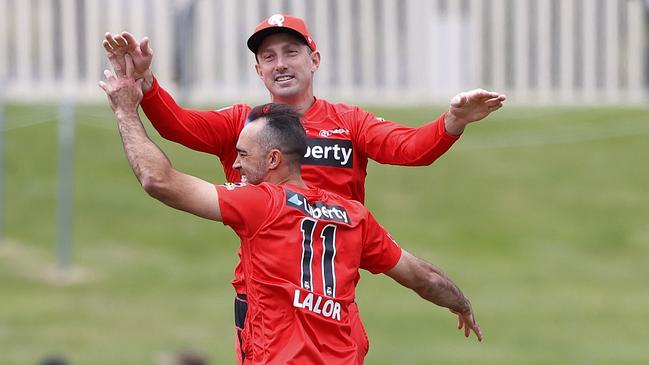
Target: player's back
<point>301,251</point>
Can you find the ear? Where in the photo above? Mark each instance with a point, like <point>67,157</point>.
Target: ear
<point>315,61</point>
<point>258,69</point>
<point>275,158</point>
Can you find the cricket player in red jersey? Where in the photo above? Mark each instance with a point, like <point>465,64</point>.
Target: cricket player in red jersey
<point>341,138</point>
<point>301,247</point>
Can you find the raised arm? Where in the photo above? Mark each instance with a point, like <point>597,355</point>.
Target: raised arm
<point>150,165</point>
<point>433,285</point>
<point>209,131</point>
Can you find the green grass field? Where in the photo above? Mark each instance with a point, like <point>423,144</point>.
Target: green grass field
<point>541,215</point>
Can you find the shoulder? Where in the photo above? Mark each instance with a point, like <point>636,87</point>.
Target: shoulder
<point>250,195</point>
<point>356,209</point>
<point>242,187</point>
<point>340,108</point>
<point>239,107</point>
<point>341,114</point>
<point>237,112</point>
<point>246,207</point>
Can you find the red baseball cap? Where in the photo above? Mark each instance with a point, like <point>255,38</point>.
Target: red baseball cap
<point>280,23</point>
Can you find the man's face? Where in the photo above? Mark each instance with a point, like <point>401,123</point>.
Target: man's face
<point>286,65</point>
<point>252,158</point>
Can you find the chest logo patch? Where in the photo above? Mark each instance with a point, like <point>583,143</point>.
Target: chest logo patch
<point>329,132</point>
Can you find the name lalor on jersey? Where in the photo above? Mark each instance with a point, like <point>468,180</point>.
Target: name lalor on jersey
<point>326,307</point>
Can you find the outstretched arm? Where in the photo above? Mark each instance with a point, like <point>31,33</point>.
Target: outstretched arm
<point>433,285</point>
<point>392,143</point>
<point>150,165</point>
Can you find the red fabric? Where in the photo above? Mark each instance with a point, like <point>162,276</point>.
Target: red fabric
<point>216,132</point>
<point>370,137</point>
<point>282,325</point>
<point>280,23</point>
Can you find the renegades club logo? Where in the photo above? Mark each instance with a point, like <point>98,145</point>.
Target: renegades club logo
<point>277,19</point>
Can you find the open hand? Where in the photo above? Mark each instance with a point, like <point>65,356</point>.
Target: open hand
<point>471,106</point>
<point>123,91</point>
<point>117,46</point>
<point>467,322</point>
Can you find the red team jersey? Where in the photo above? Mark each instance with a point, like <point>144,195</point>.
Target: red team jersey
<point>301,251</point>
<point>341,139</point>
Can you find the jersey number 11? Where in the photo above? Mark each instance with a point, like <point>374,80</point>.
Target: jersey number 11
<point>328,236</point>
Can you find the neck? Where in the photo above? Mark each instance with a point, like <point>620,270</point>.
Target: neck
<point>293,179</point>
<point>300,103</point>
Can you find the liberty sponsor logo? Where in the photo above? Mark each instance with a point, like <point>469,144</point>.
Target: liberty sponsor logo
<point>330,132</point>
<point>328,308</point>
<point>317,210</point>
<point>329,152</point>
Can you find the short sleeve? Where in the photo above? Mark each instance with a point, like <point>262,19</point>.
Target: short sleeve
<point>380,252</point>
<point>244,207</point>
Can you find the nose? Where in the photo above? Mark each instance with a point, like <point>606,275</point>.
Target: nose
<point>236,165</point>
<point>280,65</point>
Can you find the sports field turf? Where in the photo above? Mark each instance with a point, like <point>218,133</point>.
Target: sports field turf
<point>541,215</point>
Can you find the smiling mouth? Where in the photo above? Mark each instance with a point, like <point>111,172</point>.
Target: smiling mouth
<point>244,179</point>
<point>283,78</point>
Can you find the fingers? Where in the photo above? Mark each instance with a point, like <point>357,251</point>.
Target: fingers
<point>103,86</point>
<point>478,332</point>
<point>494,108</point>
<point>145,48</point>
<point>108,37</point>
<point>129,65</point>
<point>130,41</point>
<point>467,322</point>
<point>472,325</point>
<point>117,62</point>
<point>481,95</point>
<point>495,103</point>
<point>109,75</point>
<point>107,46</point>
<point>121,42</point>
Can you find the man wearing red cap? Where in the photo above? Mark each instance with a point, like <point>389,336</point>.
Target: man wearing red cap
<point>341,138</point>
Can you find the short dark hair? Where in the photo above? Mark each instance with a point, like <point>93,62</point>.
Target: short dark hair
<point>283,130</point>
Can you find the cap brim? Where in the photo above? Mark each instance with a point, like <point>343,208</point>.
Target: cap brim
<point>255,40</point>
